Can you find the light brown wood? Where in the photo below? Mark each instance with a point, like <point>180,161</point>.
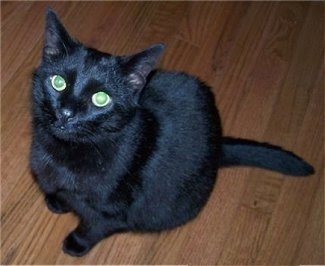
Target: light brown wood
<point>264,61</point>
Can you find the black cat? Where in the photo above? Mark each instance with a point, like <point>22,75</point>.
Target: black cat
<point>127,148</point>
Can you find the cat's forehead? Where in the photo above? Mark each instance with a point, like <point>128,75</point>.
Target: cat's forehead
<point>93,57</point>
<point>88,62</point>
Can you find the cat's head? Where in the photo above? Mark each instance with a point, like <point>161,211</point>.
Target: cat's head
<point>80,93</point>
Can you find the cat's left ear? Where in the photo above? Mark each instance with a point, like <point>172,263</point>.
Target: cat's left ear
<point>137,67</point>
<point>57,41</point>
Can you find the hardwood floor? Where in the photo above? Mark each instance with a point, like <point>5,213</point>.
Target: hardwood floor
<point>264,61</point>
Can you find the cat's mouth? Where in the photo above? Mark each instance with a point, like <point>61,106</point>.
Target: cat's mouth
<point>68,131</point>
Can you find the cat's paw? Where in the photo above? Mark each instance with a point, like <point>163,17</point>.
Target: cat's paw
<point>55,205</point>
<point>75,246</point>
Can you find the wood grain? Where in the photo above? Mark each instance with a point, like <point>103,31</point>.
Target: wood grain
<point>264,61</point>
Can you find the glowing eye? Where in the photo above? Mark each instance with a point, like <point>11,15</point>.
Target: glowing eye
<point>58,83</point>
<point>101,99</point>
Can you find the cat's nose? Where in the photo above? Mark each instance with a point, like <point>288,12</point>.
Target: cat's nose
<point>67,114</point>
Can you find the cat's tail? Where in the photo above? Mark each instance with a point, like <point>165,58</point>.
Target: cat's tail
<point>241,152</point>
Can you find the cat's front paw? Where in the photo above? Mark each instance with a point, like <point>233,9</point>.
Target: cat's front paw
<point>55,205</point>
<point>75,246</point>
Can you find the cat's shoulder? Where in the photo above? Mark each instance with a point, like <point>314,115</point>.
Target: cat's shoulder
<point>177,87</point>
<point>173,92</point>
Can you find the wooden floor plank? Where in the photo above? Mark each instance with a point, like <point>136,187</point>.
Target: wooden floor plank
<point>264,61</point>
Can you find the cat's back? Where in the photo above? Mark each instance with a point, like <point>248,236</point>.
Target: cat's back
<point>183,160</point>
<point>185,112</point>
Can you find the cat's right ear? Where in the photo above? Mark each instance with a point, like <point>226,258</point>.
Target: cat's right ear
<point>137,67</point>
<point>57,41</point>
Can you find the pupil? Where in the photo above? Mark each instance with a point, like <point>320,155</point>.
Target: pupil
<point>58,82</point>
<point>101,98</point>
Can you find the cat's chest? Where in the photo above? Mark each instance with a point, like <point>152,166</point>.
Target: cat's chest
<point>70,168</point>
<point>80,160</point>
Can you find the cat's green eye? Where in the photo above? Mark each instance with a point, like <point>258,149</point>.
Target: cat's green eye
<point>101,99</point>
<point>58,83</point>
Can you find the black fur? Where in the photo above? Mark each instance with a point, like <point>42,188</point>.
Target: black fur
<point>145,162</point>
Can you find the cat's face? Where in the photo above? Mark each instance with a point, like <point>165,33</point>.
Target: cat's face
<point>81,94</point>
